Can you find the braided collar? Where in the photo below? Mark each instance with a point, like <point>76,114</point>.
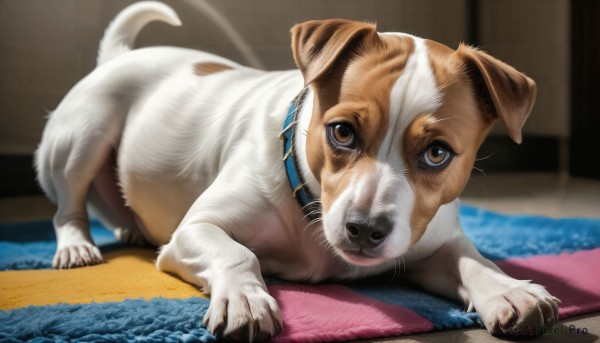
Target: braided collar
<point>299,190</point>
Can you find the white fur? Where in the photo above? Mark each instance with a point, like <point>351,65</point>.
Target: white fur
<point>199,165</point>
<point>386,189</point>
<point>414,93</point>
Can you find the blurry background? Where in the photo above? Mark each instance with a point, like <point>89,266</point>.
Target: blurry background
<point>47,46</point>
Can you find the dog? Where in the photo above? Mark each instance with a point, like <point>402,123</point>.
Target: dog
<point>338,170</point>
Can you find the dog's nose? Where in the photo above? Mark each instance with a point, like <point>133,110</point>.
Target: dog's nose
<point>365,231</point>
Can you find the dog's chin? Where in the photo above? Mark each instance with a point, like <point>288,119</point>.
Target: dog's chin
<point>360,258</point>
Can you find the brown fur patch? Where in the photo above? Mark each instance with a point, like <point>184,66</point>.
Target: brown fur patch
<point>460,123</point>
<point>362,99</point>
<point>207,68</point>
<point>509,93</point>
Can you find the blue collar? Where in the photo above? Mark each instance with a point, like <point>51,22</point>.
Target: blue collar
<point>299,190</point>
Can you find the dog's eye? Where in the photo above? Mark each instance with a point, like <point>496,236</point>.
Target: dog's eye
<point>436,156</point>
<point>341,135</point>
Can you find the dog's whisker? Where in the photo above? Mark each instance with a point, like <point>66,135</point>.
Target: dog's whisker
<point>324,242</point>
<point>403,266</point>
<point>356,272</point>
<point>480,170</point>
<point>479,187</point>
<point>315,231</point>
<point>313,219</point>
<point>485,157</point>
<point>396,274</point>
<point>315,224</point>
<point>435,120</point>
<point>316,213</point>
<point>314,202</point>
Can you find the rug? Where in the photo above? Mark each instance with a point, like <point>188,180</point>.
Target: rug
<point>127,299</point>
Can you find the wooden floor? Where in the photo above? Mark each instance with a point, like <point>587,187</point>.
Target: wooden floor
<point>539,194</point>
<point>535,194</point>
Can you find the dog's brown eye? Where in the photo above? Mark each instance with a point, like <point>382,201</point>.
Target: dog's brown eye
<point>436,155</point>
<point>341,135</point>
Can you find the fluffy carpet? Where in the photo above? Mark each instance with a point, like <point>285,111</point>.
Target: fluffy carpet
<point>127,299</point>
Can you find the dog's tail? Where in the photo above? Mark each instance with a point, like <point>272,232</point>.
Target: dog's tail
<point>121,32</point>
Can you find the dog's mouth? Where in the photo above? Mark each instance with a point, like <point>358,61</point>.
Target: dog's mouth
<point>368,245</point>
<point>360,256</point>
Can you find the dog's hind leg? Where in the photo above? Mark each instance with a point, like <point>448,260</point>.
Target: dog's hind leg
<point>74,147</point>
<point>75,247</point>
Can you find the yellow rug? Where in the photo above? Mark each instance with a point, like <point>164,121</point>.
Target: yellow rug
<point>127,274</point>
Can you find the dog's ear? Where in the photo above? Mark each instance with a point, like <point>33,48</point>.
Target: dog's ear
<point>319,44</point>
<point>506,93</point>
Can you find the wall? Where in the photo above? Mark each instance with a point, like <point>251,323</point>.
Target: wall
<point>47,46</point>
<point>534,37</point>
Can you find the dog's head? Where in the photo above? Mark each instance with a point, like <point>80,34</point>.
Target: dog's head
<point>395,129</point>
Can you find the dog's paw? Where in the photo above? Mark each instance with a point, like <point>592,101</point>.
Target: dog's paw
<point>524,309</point>
<point>77,255</point>
<point>243,313</point>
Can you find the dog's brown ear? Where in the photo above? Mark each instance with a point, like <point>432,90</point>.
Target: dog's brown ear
<point>507,93</point>
<point>318,44</point>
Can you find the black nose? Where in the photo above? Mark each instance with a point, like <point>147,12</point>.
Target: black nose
<point>365,231</point>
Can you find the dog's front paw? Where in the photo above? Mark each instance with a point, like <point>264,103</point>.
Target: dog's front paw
<point>524,309</point>
<point>77,255</point>
<point>243,312</point>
